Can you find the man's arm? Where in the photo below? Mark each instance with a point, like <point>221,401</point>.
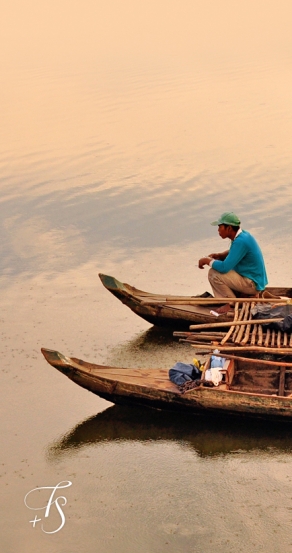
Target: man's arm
<point>236,253</point>
<point>211,257</point>
<point>220,256</point>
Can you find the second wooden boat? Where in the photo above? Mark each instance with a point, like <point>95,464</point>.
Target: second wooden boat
<point>169,310</point>
<point>251,387</point>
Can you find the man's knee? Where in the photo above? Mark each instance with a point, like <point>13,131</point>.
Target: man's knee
<point>213,275</point>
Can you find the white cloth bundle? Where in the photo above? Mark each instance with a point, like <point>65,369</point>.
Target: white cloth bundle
<point>214,375</point>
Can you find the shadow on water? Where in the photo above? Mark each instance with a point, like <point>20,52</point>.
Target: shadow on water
<point>207,436</point>
<point>154,336</point>
<point>155,347</point>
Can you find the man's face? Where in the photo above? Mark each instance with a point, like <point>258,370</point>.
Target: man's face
<point>223,231</point>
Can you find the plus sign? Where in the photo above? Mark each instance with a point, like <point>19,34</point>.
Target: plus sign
<point>36,519</point>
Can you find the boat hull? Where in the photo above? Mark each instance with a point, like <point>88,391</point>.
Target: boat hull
<point>162,311</point>
<point>163,314</point>
<point>152,388</point>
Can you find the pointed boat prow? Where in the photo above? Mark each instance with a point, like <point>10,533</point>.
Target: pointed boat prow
<point>110,282</point>
<point>64,364</point>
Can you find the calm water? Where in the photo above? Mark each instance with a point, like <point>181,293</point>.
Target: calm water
<point>126,129</point>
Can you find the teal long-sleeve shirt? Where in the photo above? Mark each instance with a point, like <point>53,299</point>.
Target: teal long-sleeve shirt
<point>246,258</point>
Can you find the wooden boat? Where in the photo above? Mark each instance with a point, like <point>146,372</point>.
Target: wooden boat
<point>169,310</point>
<point>252,387</point>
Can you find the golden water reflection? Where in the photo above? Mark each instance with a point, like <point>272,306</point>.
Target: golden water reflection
<point>174,101</point>
<point>205,436</point>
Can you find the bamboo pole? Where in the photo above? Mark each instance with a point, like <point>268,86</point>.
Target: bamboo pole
<point>228,334</point>
<point>248,329</point>
<point>243,327</point>
<point>259,349</point>
<point>253,360</point>
<point>235,323</point>
<point>236,328</point>
<point>186,300</point>
<point>267,340</point>
<point>198,343</point>
<point>260,338</point>
<point>204,338</point>
<point>253,335</point>
<point>181,333</point>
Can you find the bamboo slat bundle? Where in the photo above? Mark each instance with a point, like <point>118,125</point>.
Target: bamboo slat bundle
<point>244,333</point>
<point>245,330</point>
<point>240,317</point>
<point>248,329</point>
<point>257,342</point>
<point>241,330</point>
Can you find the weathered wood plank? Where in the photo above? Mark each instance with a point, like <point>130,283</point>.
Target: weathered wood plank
<point>282,380</point>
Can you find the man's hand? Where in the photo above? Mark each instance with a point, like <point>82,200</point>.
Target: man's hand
<point>204,261</point>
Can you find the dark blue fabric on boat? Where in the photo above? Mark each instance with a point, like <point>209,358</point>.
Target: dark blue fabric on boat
<point>269,312</point>
<point>182,372</point>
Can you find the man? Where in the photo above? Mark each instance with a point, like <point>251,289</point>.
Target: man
<point>241,269</point>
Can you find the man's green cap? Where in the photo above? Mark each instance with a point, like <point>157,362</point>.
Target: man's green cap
<point>227,218</point>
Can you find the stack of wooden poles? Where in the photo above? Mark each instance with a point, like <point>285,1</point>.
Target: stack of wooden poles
<point>243,333</point>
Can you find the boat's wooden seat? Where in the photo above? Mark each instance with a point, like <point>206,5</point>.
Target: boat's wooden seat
<point>228,373</point>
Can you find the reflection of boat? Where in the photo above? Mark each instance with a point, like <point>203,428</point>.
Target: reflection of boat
<point>170,310</point>
<point>207,436</point>
<point>251,387</point>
